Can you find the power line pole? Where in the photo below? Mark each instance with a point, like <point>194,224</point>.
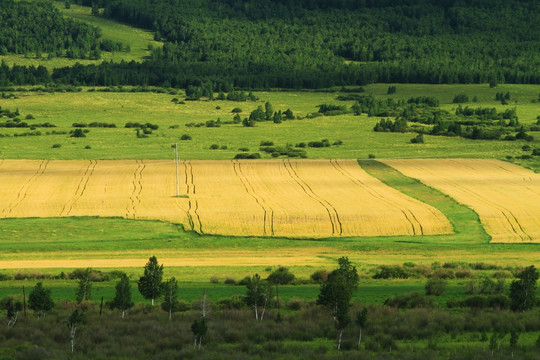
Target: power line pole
<point>176,161</point>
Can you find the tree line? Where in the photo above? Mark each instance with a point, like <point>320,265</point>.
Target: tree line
<point>318,44</point>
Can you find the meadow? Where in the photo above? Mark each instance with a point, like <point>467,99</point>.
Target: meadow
<point>355,132</point>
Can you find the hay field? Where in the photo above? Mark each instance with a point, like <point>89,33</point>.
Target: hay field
<point>282,198</point>
<point>505,196</point>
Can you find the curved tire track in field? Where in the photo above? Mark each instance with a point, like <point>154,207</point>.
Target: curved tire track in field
<point>81,187</point>
<point>23,190</point>
<point>507,214</point>
<point>193,205</point>
<point>377,195</point>
<point>244,182</point>
<point>137,188</point>
<point>268,221</point>
<point>337,227</point>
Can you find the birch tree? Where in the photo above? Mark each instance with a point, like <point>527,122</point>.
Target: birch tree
<point>150,284</point>
<point>170,300</point>
<point>84,288</point>
<point>12,307</point>
<point>336,293</point>
<point>122,298</point>
<point>74,322</point>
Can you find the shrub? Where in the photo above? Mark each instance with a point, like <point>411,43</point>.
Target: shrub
<point>295,304</point>
<point>391,272</point>
<point>536,152</point>
<point>409,301</point>
<point>234,302</point>
<point>319,276</point>
<point>371,156</point>
<point>78,133</point>
<point>214,147</point>
<point>214,280</point>
<point>56,146</point>
<point>281,276</point>
<point>460,98</point>
<point>87,147</point>
<point>229,281</point>
<point>435,286</point>
<point>236,110</point>
<point>443,274</point>
<point>223,147</point>
<point>267,143</point>
<point>186,137</point>
<point>338,142</point>
<point>29,117</point>
<point>462,273</point>
<point>418,139</point>
<point>244,149</point>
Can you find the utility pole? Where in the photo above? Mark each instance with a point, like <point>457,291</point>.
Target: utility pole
<point>176,161</point>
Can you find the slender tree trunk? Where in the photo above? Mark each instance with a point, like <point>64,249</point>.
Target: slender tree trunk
<point>200,341</point>
<point>195,344</point>
<point>339,340</point>
<point>152,301</point>
<point>256,313</point>
<point>264,308</point>
<point>13,320</point>
<point>359,338</point>
<point>101,307</point>
<point>24,301</point>
<point>123,312</point>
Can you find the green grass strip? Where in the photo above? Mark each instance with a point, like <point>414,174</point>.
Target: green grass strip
<point>465,221</point>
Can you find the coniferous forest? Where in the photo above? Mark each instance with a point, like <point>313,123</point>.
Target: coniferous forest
<point>308,44</point>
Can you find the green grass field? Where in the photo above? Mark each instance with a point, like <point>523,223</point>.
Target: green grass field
<point>63,109</point>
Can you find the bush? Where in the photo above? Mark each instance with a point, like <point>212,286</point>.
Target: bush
<point>462,273</point>
<point>409,301</point>
<point>281,276</point>
<point>244,149</point>
<point>56,146</point>
<point>236,110</point>
<point>419,139</point>
<point>460,98</point>
<point>295,304</point>
<point>229,281</point>
<point>319,276</point>
<point>234,302</point>
<point>267,143</point>
<point>443,274</point>
<point>392,272</point>
<point>371,156</point>
<point>435,287</point>
<point>214,280</point>
<point>247,156</point>
<point>186,137</point>
<point>214,147</point>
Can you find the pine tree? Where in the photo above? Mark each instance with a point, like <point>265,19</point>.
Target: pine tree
<point>40,300</point>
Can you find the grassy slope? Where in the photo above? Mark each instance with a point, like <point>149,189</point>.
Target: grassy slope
<point>137,39</point>
<point>62,109</point>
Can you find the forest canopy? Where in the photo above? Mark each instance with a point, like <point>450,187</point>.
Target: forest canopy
<point>322,43</point>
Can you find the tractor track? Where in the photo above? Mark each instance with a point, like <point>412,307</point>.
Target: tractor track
<point>337,227</point>
<point>375,194</point>
<point>23,190</point>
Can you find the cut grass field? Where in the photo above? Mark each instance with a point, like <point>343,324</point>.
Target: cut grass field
<point>356,132</point>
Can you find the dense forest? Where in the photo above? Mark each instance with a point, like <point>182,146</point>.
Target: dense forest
<point>38,27</point>
<point>317,44</point>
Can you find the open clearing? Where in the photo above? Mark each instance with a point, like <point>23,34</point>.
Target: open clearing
<point>505,196</point>
<point>282,198</point>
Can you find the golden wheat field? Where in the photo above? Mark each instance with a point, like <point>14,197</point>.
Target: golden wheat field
<point>504,195</point>
<point>283,198</point>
